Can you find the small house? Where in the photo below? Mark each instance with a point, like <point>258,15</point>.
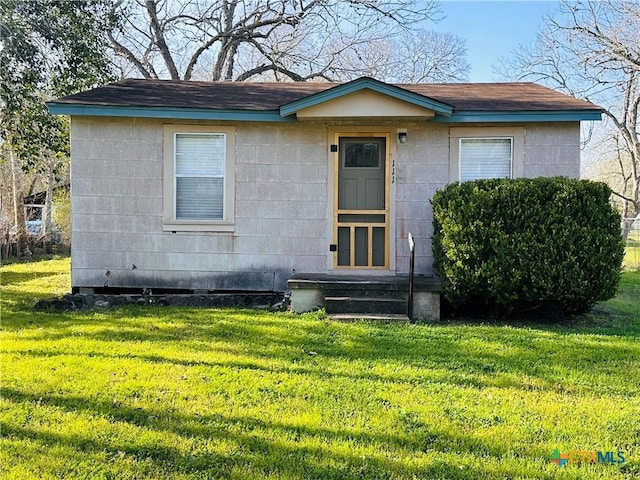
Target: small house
<point>220,187</point>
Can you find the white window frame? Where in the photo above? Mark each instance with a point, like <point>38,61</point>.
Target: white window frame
<point>170,221</point>
<point>516,134</point>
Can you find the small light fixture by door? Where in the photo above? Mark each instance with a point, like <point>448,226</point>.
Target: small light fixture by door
<point>402,136</point>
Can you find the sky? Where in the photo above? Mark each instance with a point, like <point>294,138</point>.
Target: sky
<point>492,29</point>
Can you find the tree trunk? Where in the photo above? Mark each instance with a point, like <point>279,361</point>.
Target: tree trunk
<point>627,225</point>
<point>18,206</point>
<point>48,204</point>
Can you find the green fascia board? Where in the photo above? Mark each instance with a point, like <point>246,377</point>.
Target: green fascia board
<point>517,117</point>
<point>167,112</point>
<point>362,84</point>
<point>275,116</point>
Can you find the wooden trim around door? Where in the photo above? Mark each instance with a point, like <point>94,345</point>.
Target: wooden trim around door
<point>357,224</point>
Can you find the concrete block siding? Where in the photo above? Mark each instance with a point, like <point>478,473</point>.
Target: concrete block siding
<point>280,216</point>
<point>282,210</point>
<point>422,167</point>
<point>552,149</point>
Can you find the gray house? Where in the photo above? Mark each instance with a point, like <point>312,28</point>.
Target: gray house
<point>244,186</point>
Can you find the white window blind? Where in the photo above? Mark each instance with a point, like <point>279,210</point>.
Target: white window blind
<point>485,158</point>
<point>199,172</point>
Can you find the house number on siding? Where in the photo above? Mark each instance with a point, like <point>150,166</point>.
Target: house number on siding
<point>393,171</point>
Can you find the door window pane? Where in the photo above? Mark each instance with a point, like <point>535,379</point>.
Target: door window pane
<point>362,153</point>
<point>362,246</point>
<point>378,246</point>
<point>344,246</point>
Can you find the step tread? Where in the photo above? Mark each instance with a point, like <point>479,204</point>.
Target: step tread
<point>353,317</point>
<point>364,299</point>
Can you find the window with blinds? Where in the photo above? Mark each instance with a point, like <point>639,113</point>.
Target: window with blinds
<point>485,158</point>
<point>199,175</point>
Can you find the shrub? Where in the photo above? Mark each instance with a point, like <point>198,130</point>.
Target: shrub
<point>521,244</point>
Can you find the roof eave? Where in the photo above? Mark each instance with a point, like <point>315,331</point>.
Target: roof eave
<point>362,84</point>
<point>521,116</point>
<point>56,108</point>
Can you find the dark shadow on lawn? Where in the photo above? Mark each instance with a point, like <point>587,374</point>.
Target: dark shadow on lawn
<point>259,455</point>
<point>512,357</point>
<point>602,320</point>
<point>16,278</point>
<point>305,366</point>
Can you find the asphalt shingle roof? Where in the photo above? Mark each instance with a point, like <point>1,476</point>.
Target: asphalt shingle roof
<point>248,96</point>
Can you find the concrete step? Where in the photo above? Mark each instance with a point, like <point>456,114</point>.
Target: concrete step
<point>365,305</point>
<point>309,291</point>
<point>355,317</point>
<point>374,291</point>
<point>362,283</point>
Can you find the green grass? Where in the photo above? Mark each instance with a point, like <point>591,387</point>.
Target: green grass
<point>188,393</point>
<point>632,251</point>
<point>632,257</point>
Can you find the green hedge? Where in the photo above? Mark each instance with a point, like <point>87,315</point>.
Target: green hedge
<point>525,243</point>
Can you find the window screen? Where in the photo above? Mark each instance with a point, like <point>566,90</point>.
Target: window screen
<point>199,172</point>
<point>485,158</point>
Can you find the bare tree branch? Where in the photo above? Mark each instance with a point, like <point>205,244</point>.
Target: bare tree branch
<point>227,39</point>
<point>269,68</point>
<point>126,53</point>
<point>160,40</point>
<point>590,50</point>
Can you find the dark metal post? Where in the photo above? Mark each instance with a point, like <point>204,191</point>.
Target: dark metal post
<point>411,261</point>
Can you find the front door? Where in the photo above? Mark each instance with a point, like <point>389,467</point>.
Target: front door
<point>361,227</point>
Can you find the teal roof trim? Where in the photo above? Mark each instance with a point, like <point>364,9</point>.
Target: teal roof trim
<point>517,117</point>
<point>362,84</point>
<point>275,116</point>
<point>167,112</point>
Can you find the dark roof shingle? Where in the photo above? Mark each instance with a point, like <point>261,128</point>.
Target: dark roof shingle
<point>248,96</point>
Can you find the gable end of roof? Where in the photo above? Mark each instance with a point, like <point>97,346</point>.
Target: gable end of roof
<point>367,83</point>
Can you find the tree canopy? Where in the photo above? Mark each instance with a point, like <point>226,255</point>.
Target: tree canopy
<point>283,40</point>
<point>49,48</point>
<point>52,48</point>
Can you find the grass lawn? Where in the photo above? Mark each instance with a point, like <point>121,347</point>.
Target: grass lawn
<point>632,257</point>
<point>632,251</point>
<point>192,393</point>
